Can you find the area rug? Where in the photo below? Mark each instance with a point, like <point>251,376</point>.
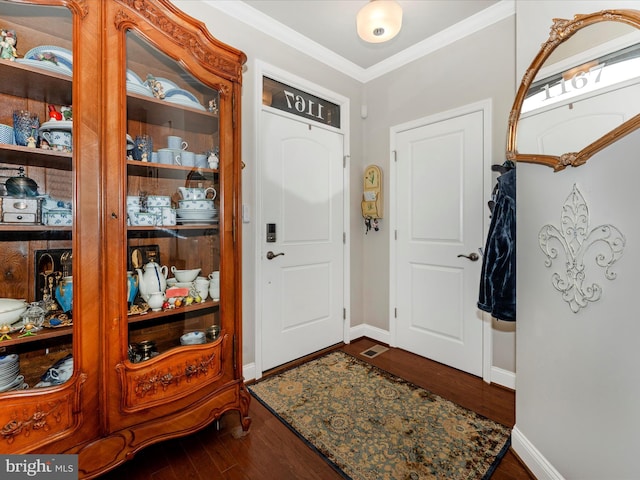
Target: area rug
<point>369,424</point>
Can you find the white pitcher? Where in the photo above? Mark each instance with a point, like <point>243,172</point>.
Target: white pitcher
<point>153,279</point>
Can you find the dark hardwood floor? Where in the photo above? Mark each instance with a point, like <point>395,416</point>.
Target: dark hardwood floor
<point>271,451</point>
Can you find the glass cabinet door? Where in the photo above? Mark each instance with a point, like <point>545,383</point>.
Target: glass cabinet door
<point>173,204</point>
<point>37,208</point>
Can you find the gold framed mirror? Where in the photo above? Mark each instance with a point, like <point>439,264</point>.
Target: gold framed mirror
<point>578,95</point>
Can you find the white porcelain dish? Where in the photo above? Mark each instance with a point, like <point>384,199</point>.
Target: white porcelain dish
<point>11,309</point>
<point>133,77</point>
<point>139,89</point>
<point>52,67</point>
<point>187,221</point>
<point>203,204</point>
<point>184,101</point>
<point>63,56</point>
<point>185,275</point>
<point>57,125</point>
<point>193,338</point>
<point>179,92</point>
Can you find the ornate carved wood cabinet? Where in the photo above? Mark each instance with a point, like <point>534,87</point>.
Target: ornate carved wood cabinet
<point>153,333</point>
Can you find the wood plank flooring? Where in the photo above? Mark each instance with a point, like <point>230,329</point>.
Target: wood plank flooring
<point>271,451</point>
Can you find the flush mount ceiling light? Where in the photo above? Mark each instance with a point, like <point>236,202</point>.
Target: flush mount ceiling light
<point>379,21</point>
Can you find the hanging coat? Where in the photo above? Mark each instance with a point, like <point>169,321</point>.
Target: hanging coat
<point>498,279</point>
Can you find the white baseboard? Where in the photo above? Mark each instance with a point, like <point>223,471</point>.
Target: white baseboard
<point>373,333</point>
<point>532,458</point>
<point>503,377</point>
<point>249,372</point>
<point>498,375</point>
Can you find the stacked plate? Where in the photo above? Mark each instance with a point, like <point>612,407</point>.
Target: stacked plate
<point>136,85</point>
<point>49,57</point>
<point>182,97</point>
<point>10,378</point>
<point>196,216</point>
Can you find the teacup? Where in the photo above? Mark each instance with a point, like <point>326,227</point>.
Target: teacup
<point>60,140</point>
<point>188,159</point>
<point>214,285</point>
<point>166,156</point>
<point>176,143</point>
<point>201,160</point>
<point>202,286</point>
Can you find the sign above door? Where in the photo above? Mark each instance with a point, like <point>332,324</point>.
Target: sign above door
<point>289,99</point>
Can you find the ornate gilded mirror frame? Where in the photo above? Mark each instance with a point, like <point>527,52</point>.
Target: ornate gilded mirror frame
<point>560,32</point>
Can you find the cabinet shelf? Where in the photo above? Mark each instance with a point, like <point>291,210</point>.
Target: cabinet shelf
<point>35,157</point>
<point>31,227</point>
<point>143,317</point>
<point>36,84</point>
<point>142,169</point>
<point>43,334</point>
<point>151,110</point>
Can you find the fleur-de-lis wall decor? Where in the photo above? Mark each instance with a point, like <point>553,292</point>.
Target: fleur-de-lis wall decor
<point>576,240</point>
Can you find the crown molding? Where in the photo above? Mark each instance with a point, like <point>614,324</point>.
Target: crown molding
<point>258,20</point>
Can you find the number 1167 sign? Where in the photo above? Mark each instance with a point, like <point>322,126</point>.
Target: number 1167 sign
<point>289,99</point>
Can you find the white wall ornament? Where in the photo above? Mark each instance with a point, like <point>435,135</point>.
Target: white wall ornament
<point>605,243</point>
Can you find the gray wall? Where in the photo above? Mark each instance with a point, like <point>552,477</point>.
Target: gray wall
<point>576,403</point>
<point>472,69</point>
<point>478,67</point>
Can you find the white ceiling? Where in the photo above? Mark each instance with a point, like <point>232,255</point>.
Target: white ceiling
<point>326,29</point>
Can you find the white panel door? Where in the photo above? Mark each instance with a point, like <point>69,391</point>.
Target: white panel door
<point>302,194</point>
<point>440,215</point>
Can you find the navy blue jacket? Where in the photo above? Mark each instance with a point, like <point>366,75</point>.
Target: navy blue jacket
<point>498,279</point>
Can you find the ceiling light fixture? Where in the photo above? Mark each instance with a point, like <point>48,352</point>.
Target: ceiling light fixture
<point>379,21</point>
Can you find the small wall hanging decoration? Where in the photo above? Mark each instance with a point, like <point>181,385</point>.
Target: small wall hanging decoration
<point>576,240</point>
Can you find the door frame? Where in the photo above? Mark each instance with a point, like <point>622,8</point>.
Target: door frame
<point>264,69</point>
<point>483,106</point>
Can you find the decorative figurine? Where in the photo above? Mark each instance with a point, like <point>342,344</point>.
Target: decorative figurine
<point>156,87</point>
<point>213,106</point>
<point>67,113</point>
<point>7,44</point>
<point>31,141</point>
<point>54,114</point>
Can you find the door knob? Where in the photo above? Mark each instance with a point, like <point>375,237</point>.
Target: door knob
<point>472,256</point>
<point>271,255</point>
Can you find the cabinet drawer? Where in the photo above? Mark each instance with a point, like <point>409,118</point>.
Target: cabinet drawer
<point>172,376</point>
<point>11,217</point>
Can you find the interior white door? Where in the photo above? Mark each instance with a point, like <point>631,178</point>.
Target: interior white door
<point>440,215</point>
<point>302,197</point>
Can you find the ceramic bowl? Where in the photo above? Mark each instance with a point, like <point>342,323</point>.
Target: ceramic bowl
<point>204,204</point>
<point>193,338</point>
<point>185,275</point>
<point>11,309</point>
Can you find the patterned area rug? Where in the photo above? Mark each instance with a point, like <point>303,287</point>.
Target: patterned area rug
<point>369,424</point>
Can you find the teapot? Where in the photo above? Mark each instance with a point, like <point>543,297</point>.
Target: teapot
<point>192,193</point>
<point>153,279</point>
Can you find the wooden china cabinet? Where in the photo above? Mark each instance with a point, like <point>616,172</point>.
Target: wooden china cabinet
<point>130,75</point>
